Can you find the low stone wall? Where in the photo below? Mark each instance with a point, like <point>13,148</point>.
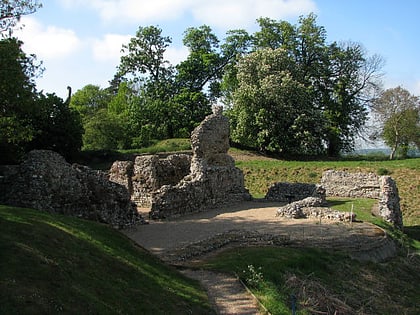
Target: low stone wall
<point>45,181</point>
<point>366,185</point>
<point>354,185</point>
<point>289,192</point>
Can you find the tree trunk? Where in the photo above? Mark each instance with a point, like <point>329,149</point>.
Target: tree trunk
<point>393,150</point>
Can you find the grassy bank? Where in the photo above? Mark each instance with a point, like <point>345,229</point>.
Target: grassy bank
<point>323,282</point>
<point>261,172</point>
<point>55,264</point>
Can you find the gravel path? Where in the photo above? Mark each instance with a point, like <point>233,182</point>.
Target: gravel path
<point>181,241</point>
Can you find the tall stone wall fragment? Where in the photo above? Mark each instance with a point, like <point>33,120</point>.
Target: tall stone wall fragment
<point>213,177</point>
<point>389,202</point>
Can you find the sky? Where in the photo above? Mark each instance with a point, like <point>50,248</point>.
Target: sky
<point>79,41</point>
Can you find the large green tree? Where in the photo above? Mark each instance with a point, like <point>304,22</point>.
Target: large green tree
<point>338,80</point>
<point>272,109</point>
<point>398,113</point>
<point>17,96</point>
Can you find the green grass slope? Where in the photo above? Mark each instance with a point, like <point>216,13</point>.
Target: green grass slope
<point>56,264</point>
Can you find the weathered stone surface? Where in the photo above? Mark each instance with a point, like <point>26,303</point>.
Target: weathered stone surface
<point>311,207</point>
<point>366,185</point>
<point>288,192</point>
<point>213,177</point>
<point>354,185</point>
<point>295,209</point>
<point>389,202</point>
<point>121,172</point>
<point>45,181</point>
<point>148,174</point>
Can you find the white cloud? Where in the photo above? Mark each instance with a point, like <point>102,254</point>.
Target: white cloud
<point>109,47</point>
<point>223,14</point>
<point>228,14</point>
<point>176,55</point>
<point>47,42</point>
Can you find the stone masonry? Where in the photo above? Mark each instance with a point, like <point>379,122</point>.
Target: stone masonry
<point>362,185</point>
<point>213,177</point>
<point>45,181</point>
<point>289,192</point>
<point>148,174</point>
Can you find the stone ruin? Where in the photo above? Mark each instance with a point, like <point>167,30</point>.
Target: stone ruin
<point>353,185</point>
<point>313,207</point>
<point>289,192</point>
<point>148,173</point>
<point>181,183</point>
<point>366,185</point>
<point>45,181</point>
<point>308,200</point>
<point>213,177</point>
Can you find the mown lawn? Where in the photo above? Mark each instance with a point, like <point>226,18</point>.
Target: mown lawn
<point>55,264</point>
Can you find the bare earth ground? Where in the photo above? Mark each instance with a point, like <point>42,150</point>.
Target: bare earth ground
<point>182,241</point>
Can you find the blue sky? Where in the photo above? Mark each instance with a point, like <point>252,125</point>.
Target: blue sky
<point>79,41</point>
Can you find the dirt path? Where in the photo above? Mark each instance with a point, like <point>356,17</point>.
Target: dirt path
<point>181,241</point>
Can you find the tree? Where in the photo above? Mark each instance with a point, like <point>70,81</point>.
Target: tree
<point>271,110</point>
<point>339,80</point>
<point>57,126</point>
<point>17,96</point>
<point>398,113</point>
<point>28,119</point>
<point>90,99</point>
<point>11,12</point>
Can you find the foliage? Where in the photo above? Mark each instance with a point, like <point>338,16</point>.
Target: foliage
<point>271,109</point>
<point>17,93</point>
<point>28,119</point>
<point>327,89</point>
<point>58,264</point>
<point>57,127</point>
<point>399,115</point>
<point>11,12</point>
<point>88,100</point>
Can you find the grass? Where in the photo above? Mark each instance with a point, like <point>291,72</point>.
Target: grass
<point>56,264</point>
<point>261,173</point>
<point>323,282</point>
<point>169,145</point>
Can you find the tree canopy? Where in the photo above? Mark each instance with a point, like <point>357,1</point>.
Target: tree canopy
<point>29,119</point>
<point>302,89</point>
<point>399,115</point>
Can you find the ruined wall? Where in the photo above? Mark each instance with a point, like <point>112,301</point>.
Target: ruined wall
<point>45,181</point>
<point>213,177</point>
<point>366,185</point>
<point>289,192</point>
<point>148,174</point>
<point>389,202</point>
<point>354,185</point>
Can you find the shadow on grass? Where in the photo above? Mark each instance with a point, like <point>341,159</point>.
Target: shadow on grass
<point>413,232</point>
